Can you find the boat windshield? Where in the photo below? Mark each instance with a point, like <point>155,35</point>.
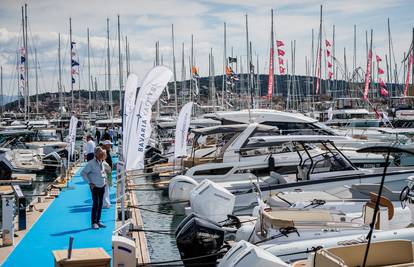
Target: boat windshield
<point>330,160</point>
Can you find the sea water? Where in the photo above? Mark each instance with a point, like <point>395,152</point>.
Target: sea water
<point>162,247</point>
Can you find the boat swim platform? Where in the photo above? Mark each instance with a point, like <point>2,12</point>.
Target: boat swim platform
<point>64,216</point>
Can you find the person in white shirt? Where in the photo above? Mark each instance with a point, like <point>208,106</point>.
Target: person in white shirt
<point>90,148</point>
<point>94,174</point>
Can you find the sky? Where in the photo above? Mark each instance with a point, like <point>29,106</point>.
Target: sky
<point>146,21</point>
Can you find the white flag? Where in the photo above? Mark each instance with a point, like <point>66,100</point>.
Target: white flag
<point>181,130</point>
<point>139,133</point>
<point>71,138</point>
<point>330,114</point>
<point>129,104</point>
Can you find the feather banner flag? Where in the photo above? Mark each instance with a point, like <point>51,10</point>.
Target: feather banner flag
<point>280,52</point>
<point>151,88</point>
<point>367,75</point>
<point>271,74</point>
<point>407,80</point>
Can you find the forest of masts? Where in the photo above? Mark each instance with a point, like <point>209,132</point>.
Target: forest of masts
<point>224,90</point>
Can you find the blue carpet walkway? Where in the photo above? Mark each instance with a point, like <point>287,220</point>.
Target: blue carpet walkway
<point>68,215</point>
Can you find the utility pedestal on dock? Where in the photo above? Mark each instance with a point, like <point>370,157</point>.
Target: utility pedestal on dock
<point>7,222</point>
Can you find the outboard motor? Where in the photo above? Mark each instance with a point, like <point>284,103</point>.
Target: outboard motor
<point>212,200</point>
<point>179,190</point>
<point>197,236</point>
<point>244,254</point>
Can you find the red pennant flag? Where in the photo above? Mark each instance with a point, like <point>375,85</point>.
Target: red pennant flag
<point>329,64</point>
<point>279,43</point>
<point>282,70</point>
<point>229,71</point>
<point>328,53</point>
<point>382,83</point>
<point>378,58</point>
<point>380,71</point>
<point>330,74</point>
<point>280,61</point>
<point>280,52</point>
<point>327,43</point>
<point>384,92</point>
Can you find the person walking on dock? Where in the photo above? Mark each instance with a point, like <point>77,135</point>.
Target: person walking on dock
<point>106,135</point>
<point>89,148</point>
<point>94,174</point>
<point>107,145</point>
<point>97,135</point>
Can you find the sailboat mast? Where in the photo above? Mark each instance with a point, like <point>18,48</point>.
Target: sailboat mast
<point>191,67</point>
<point>60,79</point>
<point>27,64</point>
<point>36,84</point>
<point>271,86</point>
<point>119,65</point>
<point>248,62</point>
<point>183,72</point>
<point>389,75</point>
<point>1,92</point>
<point>174,69</point>
<point>320,49</point>
<point>79,91</point>
<point>224,84</point>
<point>109,70</point>
<point>126,56</point>
<point>71,72</point>
<point>90,81</point>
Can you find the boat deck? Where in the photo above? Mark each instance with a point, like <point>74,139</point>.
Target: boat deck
<point>68,215</point>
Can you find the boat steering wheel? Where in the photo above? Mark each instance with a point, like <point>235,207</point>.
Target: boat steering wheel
<point>405,196</point>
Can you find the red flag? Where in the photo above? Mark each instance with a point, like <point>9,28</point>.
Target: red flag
<point>367,75</point>
<point>384,92</point>
<point>281,70</point>
<point>229,71</point>
<point>330,74</point>
<point>280,61</point>
<point>380,71</point>
<point>280,52</point>
<point>327,43</point>
<point>279,43</point>
<point>329,64</point>
<point>378,58</point>
<point>328,53</point>
<point>377,114</point>
<point>382,83</point>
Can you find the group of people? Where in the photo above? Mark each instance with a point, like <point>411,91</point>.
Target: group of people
<point>98,174</point>
<point>108,134</point>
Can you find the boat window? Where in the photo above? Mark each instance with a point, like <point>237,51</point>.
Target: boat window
<point>328,162</point>
<point>296,128</point>
<point>218,171</point>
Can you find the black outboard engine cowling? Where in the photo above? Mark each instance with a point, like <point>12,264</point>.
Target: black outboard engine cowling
<point>198,236</point>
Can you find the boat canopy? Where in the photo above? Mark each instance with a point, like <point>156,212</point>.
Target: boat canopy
<point>258,116</point>
<point>296,138</point>
<point>231,129</point>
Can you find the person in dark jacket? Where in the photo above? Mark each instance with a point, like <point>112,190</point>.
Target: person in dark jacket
<point>97,135</point>
<point>106,135</point>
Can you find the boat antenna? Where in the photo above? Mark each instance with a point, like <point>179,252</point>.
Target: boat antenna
<point>371,230</point>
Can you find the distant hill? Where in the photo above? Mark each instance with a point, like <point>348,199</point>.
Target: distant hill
<point>7,99</point>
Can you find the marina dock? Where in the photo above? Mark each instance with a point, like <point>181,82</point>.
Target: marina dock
<point>68,215</point>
